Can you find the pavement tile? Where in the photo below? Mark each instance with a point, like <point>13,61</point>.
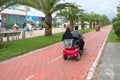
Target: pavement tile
<point>48,64</point>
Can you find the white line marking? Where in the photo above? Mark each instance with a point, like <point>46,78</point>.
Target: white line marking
<point>30,77</point>
<point>90,38</point>
<point>92,69</point>
<point>55,59</point>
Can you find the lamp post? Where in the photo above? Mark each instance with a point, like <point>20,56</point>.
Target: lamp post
<point>23,29</point>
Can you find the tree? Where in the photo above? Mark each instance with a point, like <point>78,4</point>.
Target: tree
<point>48,7</point>
<point>71,14</point>
<point>94,19</point>
<point>116,27</point>
<point>117,18</point>
<point>6,3</point>
<point>91,19</point>
<point>83,17</point>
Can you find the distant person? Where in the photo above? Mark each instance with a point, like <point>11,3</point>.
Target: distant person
<point>15,27</point>
<point>0,25</point>
<point>29,28</point>
<point>97,27</point>
<point>23,30</point>
<point>64,25</point>
<point>32,27</point>
<point>24,25</point>
<point>78,36</point>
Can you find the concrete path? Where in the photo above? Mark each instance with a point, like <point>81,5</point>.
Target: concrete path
<point>48,63</point>
<point>109,69</point>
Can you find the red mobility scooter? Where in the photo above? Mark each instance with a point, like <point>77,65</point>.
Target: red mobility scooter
<point>97,28</point>
<point>71,49</point>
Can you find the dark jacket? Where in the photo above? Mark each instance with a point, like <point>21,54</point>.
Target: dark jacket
<point>67,34</point>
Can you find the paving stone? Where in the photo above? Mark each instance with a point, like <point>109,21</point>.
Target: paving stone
<point>48,63</point>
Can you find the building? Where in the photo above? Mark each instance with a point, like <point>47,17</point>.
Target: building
<point>19,14</point>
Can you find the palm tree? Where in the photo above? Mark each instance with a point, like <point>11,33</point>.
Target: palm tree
<point>83,18</point>
<point>92,19</point>
<point>105,20</point>
<point>97,19</point>
<point>48,7</point>
<point>71,14</point>
<point>117,18</point>
<point>6,3</point>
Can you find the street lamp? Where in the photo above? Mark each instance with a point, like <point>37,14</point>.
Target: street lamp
<point>23,32</point>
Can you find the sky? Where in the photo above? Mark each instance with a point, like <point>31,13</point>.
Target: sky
<point>107,7</point>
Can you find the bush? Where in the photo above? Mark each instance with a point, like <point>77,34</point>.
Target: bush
<point>117,32</point>
<point>116,27</point>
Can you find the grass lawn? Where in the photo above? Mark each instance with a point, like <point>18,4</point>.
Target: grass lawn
<point>19,47</point>
<point>113,37</point>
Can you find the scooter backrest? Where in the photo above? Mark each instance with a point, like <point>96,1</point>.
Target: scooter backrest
<point>68,43</point>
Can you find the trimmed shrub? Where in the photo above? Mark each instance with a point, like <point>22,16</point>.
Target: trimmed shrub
<point>117,32</point>
<point>116,27</point>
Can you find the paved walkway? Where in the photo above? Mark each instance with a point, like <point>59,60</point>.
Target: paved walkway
<point>110,67</point>
<point>42,32</point>
<point>48,64</point>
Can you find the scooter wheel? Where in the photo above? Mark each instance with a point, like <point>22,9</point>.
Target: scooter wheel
<point>78,57</point>
<point>65,57</point>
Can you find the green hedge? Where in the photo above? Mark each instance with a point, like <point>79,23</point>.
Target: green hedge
<point>116,27</point>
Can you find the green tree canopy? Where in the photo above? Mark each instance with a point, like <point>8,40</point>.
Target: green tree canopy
<point>71,14</point>
<point>48,7</point>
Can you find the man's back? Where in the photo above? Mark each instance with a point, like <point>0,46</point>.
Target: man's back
<point>76,34</point>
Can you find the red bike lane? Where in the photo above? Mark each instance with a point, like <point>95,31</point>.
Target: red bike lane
<point>48,63</point>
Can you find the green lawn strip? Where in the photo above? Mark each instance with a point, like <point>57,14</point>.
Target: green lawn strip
<point>19,47</point>
<point>113,37</point>
<point>86,30</point>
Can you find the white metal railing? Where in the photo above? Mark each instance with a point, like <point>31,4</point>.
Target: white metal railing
<point>13,34</point>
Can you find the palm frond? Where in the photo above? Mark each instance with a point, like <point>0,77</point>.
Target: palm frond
<point>6,3</point>
<point>69,13</point>
<point>61,6</point>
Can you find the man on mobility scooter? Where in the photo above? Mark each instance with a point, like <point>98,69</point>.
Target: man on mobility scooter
<point>78,36</point>
<point>97,28</point>
<point>72,44</point>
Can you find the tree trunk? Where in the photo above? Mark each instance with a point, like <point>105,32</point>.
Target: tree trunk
<point>98,23</point>
<point>94,24</point>
<point>71,26</point>
<point>90,24</point>
<point>82,25</point>
<point>48,25</point>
